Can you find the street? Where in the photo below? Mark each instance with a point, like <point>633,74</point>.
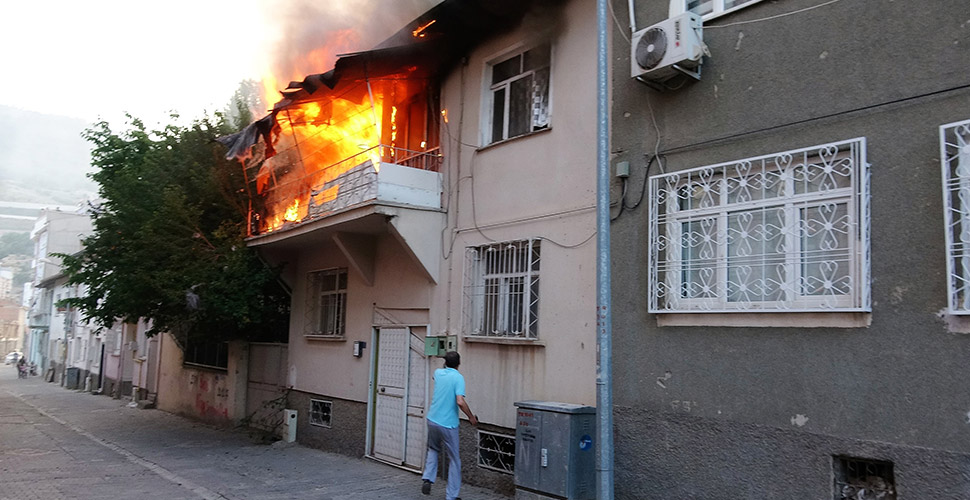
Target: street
<point>61,444</point>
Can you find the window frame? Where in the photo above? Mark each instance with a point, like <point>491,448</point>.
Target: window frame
<point>955,167</point>
<point>796,289</point>
<point>328,423</point>
<point>476,286</point>
<point>313,321</point>
<point>489,90</point>
<point>678,7</point>
<point>497,436</point>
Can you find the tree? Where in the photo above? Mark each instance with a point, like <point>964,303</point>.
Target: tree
<point>168,237</point>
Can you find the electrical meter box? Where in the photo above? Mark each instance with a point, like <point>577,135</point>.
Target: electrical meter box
<point>554,452</point>
<point>438,346</point>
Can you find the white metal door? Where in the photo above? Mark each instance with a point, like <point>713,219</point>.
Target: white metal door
<point>399,428</point>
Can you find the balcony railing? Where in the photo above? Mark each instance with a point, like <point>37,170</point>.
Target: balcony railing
<point>293,199</point>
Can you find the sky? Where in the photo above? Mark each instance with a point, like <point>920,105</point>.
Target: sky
<point>101,58</point>
<point>98,59</point>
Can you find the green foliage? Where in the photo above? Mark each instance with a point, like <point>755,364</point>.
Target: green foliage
<point>168,237</point>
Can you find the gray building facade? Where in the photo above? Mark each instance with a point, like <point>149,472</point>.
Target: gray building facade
<point>781,320</point>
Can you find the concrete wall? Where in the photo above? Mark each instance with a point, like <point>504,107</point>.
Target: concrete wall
<point>328,366</point>
<point>348,424</point>
<point>537,186</point>
<point>210,395</point>
<point>759,412</point>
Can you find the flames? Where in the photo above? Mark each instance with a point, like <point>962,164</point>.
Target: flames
<point>320,141</point>
<point>385,117</point>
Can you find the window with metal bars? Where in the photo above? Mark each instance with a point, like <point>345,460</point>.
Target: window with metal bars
<point>496,452</point>
<point>326,303</point>
<point>781,232</point>
<point>502,290</point>
<point>519,94</point>
<point>857,478</point>
<point>321,412</point>
<point>955,159</point>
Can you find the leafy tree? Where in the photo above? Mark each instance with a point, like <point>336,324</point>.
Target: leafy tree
<point>168,237</point>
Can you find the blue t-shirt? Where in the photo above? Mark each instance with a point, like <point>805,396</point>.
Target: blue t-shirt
<point>448,384</point>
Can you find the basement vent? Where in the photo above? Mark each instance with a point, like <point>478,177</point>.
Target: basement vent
<point>496,452</point>
<point>859,479</point>
<point>321,412</point>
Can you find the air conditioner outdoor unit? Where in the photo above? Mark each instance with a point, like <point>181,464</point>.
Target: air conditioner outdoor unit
<point>669,48</point>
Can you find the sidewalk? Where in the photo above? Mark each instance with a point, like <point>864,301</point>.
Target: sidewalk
<point>61,444</point>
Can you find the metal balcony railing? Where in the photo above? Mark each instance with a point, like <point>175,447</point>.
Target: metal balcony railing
<point>294,198</point>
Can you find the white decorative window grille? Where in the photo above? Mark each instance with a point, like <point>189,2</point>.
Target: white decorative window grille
<point>707,8</point>
<point>519,94</point>
<point>502,290</point>
<point>955,157</point>
<point>857,478</point>
<point>496,452</point>
<point>781,232</point>
<point>321,412</point>
<point>326,303</point>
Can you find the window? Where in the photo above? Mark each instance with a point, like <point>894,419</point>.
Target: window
<point>781,232</point>
<point>496,452</point>
<point>326,303</point>
<point>519,94</point>
<point>206,353</point>
<point>707,8</point>
<point>320,412</point>
<point>502,290</point>
<point>955,157</point>
<point>857,478</point>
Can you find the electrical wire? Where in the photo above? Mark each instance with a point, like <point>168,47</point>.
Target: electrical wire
<point>816,118</point>
<point>617,23</point>
<point>799,11</point>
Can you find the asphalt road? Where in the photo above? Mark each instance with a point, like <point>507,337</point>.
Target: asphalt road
<point>61,444</point>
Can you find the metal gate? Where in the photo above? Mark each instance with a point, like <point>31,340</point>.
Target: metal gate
<point>266,386</point>
<point>400,394</point>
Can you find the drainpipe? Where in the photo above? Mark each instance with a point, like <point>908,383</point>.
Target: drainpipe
<point>604,362</point>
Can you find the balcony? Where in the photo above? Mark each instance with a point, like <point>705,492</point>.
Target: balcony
<point>380,175</point>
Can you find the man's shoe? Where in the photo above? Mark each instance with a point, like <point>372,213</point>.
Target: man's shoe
<point>426,487</point>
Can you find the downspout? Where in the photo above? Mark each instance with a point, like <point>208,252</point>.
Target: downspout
<point>604,362</point>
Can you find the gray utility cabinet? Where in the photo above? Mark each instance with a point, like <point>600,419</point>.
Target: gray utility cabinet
<point>554,456</point>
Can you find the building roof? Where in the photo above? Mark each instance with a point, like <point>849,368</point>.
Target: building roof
<point>426,47</point>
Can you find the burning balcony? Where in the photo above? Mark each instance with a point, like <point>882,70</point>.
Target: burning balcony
<point>363,133</point>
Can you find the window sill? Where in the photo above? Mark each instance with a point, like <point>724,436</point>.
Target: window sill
<point>503,341</point>
<point>210,368</point>
<point>773,320</point>
<point>513,139</point>
<point>325,338</point>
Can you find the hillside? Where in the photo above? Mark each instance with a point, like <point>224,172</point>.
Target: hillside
<point>43,158</point>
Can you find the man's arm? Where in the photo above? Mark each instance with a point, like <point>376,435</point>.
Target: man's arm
<point>464,407</point>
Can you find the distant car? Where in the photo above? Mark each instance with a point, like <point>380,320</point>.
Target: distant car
<point>12,358</point>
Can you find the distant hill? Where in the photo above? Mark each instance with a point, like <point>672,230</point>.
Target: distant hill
<point>43,158</point>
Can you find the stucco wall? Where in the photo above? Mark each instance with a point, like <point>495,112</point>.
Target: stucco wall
<point>692,401</point>
<point>328,366</point>
<point>536,186</point>
<point>209,395</point>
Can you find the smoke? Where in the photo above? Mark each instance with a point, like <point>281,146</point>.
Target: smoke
<point>310,33</point>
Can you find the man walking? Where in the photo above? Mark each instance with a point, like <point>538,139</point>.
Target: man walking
<point>448,397</point>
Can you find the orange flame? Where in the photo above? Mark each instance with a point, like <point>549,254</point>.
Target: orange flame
<point>419,32</point>
<point>334,131</point>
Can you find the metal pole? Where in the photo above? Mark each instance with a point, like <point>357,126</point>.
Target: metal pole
<point>604,361</point>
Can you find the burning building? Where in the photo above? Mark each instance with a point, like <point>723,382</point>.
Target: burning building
<point>415,193</point>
